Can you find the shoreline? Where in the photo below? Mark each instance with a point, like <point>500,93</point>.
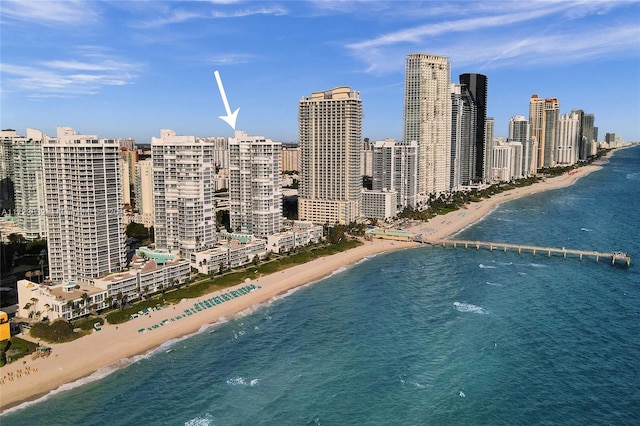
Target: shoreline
<point>75,362</point>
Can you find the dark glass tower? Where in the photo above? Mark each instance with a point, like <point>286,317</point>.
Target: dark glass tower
<point>477,87</point>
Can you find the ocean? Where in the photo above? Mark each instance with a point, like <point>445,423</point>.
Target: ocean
<point>424,336</point>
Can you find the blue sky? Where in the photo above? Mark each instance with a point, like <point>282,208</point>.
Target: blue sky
<point>128,69</point>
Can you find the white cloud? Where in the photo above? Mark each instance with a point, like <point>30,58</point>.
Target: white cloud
<point>230,59</point>
<point>50,12</point>
<point>177,16</point>
<point>545,32</point>
<point>68,78</point>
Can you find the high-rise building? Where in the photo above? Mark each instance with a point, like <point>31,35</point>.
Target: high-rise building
<point>587,135</point>
<point>463,135</point>
<point>477,86</point>
<point>536,119</point>
<point>507,161</point>
<point>128,160</point>
<point>550,121</point>
<point>84,205</point>
<point>289,158</point>
<point>28,183</point>
<point>330,145</point>
<point>489,135</point>
<point>7,201</point>
<point>568,139</point>
<point>183,205</point>
<point>255,193</point>
<point>427,119</point>
<point>144,187</point>
<point>395,166</point>
<point>520,131</point>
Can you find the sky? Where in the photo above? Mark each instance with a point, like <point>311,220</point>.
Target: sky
<point>120,69</point>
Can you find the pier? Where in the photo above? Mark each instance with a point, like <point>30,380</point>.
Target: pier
<point>548,251</point>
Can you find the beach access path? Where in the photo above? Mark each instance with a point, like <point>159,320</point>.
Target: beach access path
<point>115,346</point>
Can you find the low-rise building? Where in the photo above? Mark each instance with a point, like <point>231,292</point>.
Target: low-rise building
<point>74,299</point>
<point>230,253</point>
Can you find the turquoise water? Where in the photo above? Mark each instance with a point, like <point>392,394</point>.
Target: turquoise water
<point>421,336</point>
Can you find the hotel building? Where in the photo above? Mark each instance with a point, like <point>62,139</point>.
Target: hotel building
<point>330,145</point>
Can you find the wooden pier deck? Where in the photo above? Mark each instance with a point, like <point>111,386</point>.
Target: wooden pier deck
<point>549,251</point>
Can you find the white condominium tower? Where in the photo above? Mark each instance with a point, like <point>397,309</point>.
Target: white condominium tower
<point>395,170</point>
<point>184,214</point>
<point>330,145</point>
<point>427,119</point>
<point>520,131</point>
<point>28,183</point>
<point>568,139</point>
<point>83,195</point>
<point>255,193</point>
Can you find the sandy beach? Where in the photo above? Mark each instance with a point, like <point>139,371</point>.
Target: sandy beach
<point>115,346</point>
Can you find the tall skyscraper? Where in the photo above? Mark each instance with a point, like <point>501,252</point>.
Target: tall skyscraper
<point>550,122</point>
<point>477,86</point>
<point>7,201</point>
<point>395,166</point>
<point>28,183</point>
<point>489,132</point>
<point>568,139</point>
<point>84,205</point>
<point>184,214</point>
<point>330,145</point>
<point>588,136</point>
<point>255,193</point>
<point>463,135</point>
<point>427,119</point>
<point>536,115</point>
<point>144,187</point>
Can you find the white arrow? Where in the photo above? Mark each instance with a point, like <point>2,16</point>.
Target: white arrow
<point>230,118</point>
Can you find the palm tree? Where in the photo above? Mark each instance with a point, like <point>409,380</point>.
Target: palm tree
<point>41,262</point>
<point>120,298</point>
<point>70,308</point>
<point>28,274</point>
<point>109,301</point>
<point>37,273</point>
<point>85,298</point>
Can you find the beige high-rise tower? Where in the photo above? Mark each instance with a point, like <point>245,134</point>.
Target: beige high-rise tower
<point>427,119</point>
<point>330,145</point>
<point>536,113</point>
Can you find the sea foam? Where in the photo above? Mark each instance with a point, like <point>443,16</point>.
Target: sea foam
<point>468,307</point>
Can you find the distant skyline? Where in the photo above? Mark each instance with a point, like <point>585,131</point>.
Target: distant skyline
<point>130,68</point>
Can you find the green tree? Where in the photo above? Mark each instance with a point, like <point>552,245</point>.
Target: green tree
<point>15,238</point>
<point>137,231</point>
